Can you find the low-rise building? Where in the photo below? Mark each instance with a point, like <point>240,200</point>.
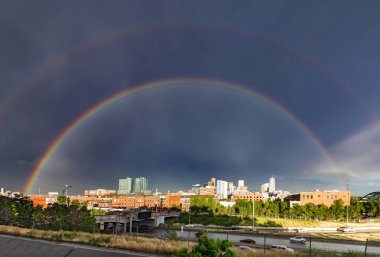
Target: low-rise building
<point>99,192</point>
<point>184,203</point>
<point>247,195</point>
<point>207,190</point>
<point>325,197</point>
<point>39,200</point>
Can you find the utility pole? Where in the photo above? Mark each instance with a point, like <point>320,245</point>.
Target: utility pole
<point>349,200</point>
<point>156,201</point>
<point>253,212</point>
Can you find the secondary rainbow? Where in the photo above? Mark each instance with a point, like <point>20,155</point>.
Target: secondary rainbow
<point>11,97</point>
<point>77,122</point>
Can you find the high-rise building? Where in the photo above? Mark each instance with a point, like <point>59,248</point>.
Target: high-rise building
<point>272,184</point>
<point>196,189</point>
<point>140,185</point>
<point>264,188</point>
<point>125,186</point>
<point>222,189</point>
<point>212,182</point>
<point>241,186</point>
<point>231,188</point>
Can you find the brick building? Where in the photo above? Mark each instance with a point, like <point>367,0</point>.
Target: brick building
<point>325,197</point>
<point>247,195</point>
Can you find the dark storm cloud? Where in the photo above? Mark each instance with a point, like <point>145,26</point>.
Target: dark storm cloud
<point>177,136</point>
<point>263,46</point>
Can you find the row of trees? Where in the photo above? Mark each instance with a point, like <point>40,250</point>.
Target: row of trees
<point>63,214</point>
<point>280,209</point>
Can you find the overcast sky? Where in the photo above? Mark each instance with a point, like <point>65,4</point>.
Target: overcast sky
<point>316,61</point>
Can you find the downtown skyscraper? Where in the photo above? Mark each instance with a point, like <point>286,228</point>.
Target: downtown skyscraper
<point>133,186</point>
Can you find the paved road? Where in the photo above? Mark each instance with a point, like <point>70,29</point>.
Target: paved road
<point>11,246</point>
<point>331,246</point>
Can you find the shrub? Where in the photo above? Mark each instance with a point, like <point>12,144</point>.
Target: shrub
<point>69,235</point>
<point>56,237</point>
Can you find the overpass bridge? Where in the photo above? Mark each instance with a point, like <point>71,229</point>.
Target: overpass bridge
<point>127,221</point>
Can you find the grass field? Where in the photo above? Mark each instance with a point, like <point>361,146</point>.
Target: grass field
<point>312,223</point>
<point>127,242</point>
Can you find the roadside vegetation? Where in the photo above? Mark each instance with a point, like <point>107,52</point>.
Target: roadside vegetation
<point>127,242</point>
<point>168,245</point>
<point>204,210</point>
<point>207,247</point>
<point>62,215</point>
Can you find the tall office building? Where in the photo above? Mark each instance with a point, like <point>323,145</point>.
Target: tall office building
<point>231,188</point>
<point>272,184</point>
<point>140,185</point>
<point>222,189</point>
<point>264,188</point>
<point>212,182</point>
<point>125,186</point>
<point>196,189</point>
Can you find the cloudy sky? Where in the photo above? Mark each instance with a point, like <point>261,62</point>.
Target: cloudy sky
<point>247,90</point>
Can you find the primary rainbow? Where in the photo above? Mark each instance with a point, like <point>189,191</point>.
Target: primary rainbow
<point>58,141</point>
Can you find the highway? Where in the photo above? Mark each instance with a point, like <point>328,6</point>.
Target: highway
<point>12,246</point>
<point>339,246</point>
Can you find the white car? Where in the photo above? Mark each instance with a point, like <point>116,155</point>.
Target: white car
<point>347,229</point>
<point>301,230</point>
<point>298,239</point>
<point>283,248</point>
<point>244,247</point>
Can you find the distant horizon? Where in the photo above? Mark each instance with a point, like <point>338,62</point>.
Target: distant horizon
<point>173,190</point>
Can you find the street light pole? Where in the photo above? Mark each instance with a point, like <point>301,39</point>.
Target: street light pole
<point>66,189</point>
<point>347,188</point>
<point>253,212</point>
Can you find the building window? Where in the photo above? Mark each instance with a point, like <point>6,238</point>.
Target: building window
<point>311,197</point>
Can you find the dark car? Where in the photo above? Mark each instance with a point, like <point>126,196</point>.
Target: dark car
<point>248,241</point>
<point>145,228</point>
<point>199,233</point>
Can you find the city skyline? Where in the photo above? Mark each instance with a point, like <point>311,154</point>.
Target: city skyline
<point>179,93</point>
<point>215,186</point>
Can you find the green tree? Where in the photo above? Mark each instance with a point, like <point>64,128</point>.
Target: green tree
<point>337,210</point>
<point>207,247</point>
<point>22,210</point>
<point>6,210</point>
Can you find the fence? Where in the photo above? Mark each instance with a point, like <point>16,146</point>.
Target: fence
<point>311,247</point>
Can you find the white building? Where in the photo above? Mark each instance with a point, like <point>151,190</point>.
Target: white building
<point>264,188</point>
<point>231,188</point>
<point>196,189</point>
<point>99,192</point>
<point>272,184</point>
<point>222,189</point>
<point>52,197</point>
